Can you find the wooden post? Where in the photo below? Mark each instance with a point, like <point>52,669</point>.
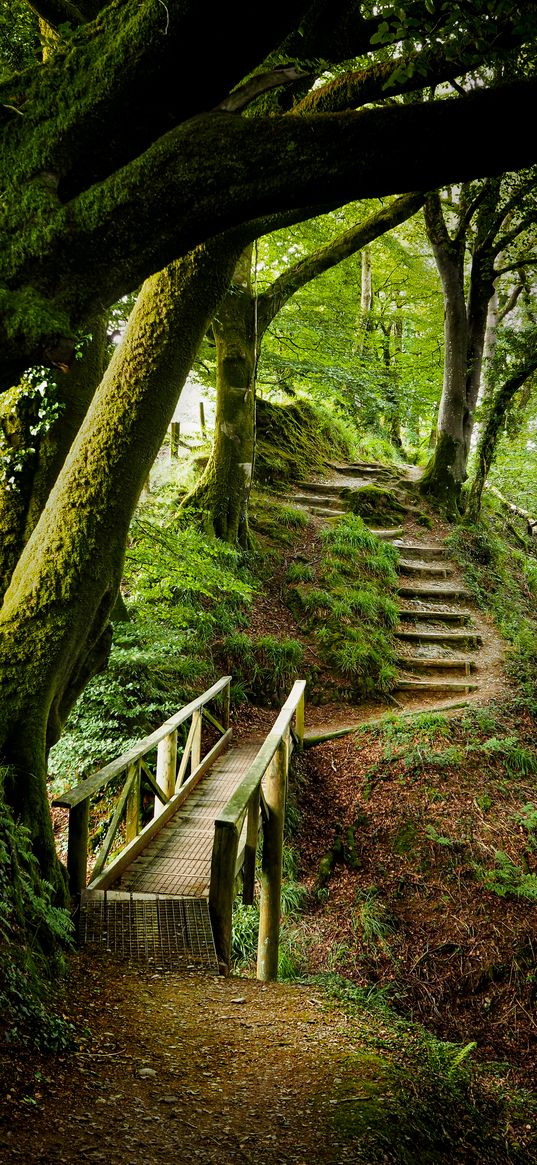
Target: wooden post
<point>222,889</point>
<point>166,769</point>
<point>77,846</point>
<point>226,705</point>
<point>132,812</point>
<point>175,431</point>
<point>202,420</point>
<point>274,788</point>
<point>250,850</point>
<point>196,740</point>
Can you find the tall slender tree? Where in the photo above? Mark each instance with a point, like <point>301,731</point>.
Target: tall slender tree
<point>239,327</point>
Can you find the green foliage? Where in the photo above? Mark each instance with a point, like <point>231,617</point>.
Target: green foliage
<point>408,1097</point>
<point>518,760</point>
<point>528,817</point>
<point>265,665</point>
<point>318,344</point>
<point>373,921</point>
<point>502,580</point>
<point>245,926</point>
<point>33,933</point>
<point>19,37</point>
<point>27,411</point>
<point>299,572</point>
<point>349,606</point>
<point>183,592</point>
<point>292,516</point>
<point>265,518</point>
<point>506,878</point>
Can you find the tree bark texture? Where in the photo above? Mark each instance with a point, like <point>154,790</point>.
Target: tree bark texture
<point>54,622</point>
<point>23,494</point>
<point>446,470</point>
<point>224,488</point>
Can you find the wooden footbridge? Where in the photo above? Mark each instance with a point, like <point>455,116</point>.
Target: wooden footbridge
<point>184,826</point>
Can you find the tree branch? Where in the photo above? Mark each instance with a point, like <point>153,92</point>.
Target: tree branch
<point>218,171</point>
<point>260,83</point>
<point>344,245</point>
<point>529,262</point>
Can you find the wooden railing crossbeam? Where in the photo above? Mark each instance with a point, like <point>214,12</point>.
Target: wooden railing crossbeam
<point>114,824</point>
<point>127,855</point>
<point>99,780</point>
<point>156,789</point>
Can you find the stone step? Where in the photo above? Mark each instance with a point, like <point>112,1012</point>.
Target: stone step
<point>386,535</point>
<point>413,591</point>
<point>435,685</point>
<point>317,487</point>
<point>422,663</point>
<point>454,637</point>
<point>326,512</point>
<point>333,502</point>
<point>355,468</point>
<point>409,550</point>
<point>435,614</point>
<point>432,571</point>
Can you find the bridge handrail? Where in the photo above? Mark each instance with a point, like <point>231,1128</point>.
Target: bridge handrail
<point>270,766</point>
<point>166,785</point>
<point>100,779</point>
<point>236,807</point>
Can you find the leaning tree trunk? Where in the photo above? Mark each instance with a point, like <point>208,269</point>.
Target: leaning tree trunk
<point>33,458</point>
<point>366,302</point>
<point>54,623</point>
<point>491,431</point>
<point>224,488</point>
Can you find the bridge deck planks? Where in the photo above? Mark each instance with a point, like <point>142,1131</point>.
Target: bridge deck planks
<point>177,862</point>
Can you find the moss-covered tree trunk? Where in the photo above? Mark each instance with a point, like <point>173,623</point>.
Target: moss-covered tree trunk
<point>54,622</point>
<point>464,332</point>
<point>223,491</point>
<point>479,296</point>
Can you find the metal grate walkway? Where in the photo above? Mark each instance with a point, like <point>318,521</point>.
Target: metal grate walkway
<point>170,933</point>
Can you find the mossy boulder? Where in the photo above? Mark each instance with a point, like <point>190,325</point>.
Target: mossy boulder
<point>373,503</point>
<point>296,439</point>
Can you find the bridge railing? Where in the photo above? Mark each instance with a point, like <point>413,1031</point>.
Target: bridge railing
<point>169,783</point>
<point>258,800</point>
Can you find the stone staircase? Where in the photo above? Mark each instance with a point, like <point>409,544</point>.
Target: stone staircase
<point>433,657</point>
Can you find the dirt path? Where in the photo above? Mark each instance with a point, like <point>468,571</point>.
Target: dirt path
<point>185,1068</point>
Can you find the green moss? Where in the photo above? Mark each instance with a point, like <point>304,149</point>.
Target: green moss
<point>439,483</point>
<point>375,504</point>
<point>350,606</point>
<point>295,440</point>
